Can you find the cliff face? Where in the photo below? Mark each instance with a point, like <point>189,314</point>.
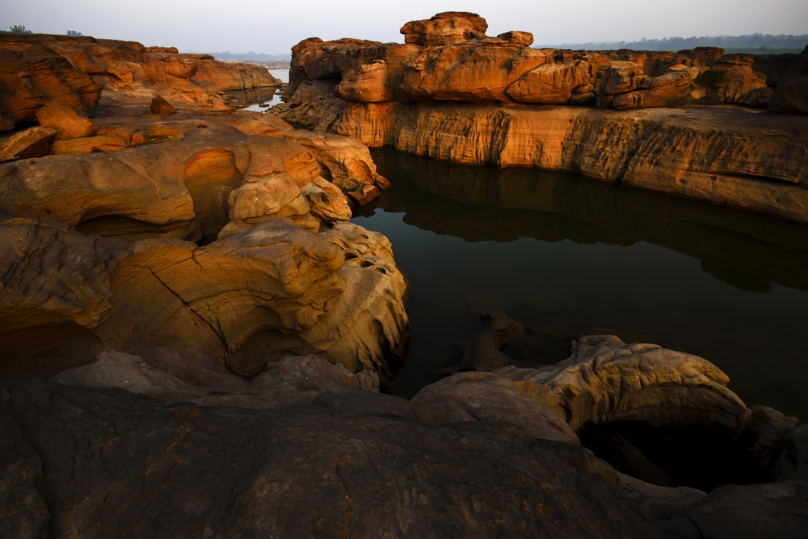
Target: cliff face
<point>755,162</point>
<point>476,101</point>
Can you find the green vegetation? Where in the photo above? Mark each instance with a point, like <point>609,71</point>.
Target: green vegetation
<point>16,29</point>
<point>74,33</point>
<point>712,79</point>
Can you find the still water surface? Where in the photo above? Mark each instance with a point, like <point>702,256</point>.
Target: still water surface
<point>263,96</point>
<point>565,256</point>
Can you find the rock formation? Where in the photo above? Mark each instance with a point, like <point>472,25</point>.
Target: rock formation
<point>790,94</point>
<point>480,100</point>
<point>348,462</point>
<point>37,68</point>
<point>33,74</point>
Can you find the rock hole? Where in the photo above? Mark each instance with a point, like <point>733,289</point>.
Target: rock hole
<point>697,457</point>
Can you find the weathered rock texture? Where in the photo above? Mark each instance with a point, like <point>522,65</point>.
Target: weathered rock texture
<point>204,175</point>
<point>476,100</point>
<point>249,299</point>
<point>449,58</point>
<point>32,74</point>
<point>38,68</point>
<point>607,390</point>
<point>353,463</point>
<point>729,158</point>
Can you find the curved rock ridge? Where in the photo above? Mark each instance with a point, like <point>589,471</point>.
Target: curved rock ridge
<point>607,389</point>
<point>252,298</point>
<point>606,381</point>
<point>206,173</point>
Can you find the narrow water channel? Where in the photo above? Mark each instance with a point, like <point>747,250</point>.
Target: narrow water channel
<point>567,256</point>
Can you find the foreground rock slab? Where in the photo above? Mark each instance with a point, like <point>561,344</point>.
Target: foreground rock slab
<point>153,469</point>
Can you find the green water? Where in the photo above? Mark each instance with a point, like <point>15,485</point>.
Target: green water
<point>565,256</point>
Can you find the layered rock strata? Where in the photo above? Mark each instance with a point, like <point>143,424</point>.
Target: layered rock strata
<point>449,58</point>
<point>476,100</point>
<point>735,159</point>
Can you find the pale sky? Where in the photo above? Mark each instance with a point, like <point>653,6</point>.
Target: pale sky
<point>273,27</point>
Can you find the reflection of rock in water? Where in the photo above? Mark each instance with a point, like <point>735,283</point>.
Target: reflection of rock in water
<point>244,98</point>
<point>481,203</point>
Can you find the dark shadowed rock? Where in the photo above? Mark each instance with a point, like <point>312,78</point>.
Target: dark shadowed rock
<point>143,469</point>
<point>162,107</point>
<point>482,352</point>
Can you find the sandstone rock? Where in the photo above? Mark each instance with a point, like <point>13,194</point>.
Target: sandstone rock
<point>703,55</point>
<point>260,295</point>
<point>767,510</point>
<point>272,197</point>
<point>469,72</point>
<point>65,120</point>
<point>33,142</point>
<point>605,380</point>
<point>446,28</point>
<point>78,146</point>
<point>515,36</point>
<point>346,162</point>
<point>789,96</point>
<point>170,50</point>
<point>551,83</point>
<point>33,74</point>
<point>366,83</point>
<point>741,78</point>
<point>757,99</point>
<point>665,90</point>
<point>56,282</point>
<point>483,351</point>
<point>174,189</point>
<point>161,107</point>
<point>485,397</point>
<point>709,155</point>
<point>290,382</point>
<point>326,200</point>
<point>284,482</point>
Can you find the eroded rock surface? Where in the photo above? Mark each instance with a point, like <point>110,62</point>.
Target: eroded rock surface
<point>315,470</point>
<point>252,298</point>
<point>453,94</point>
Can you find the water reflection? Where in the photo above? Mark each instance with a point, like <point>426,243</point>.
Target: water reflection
<point>260,99</point>
<point>726,285</point>
<point>251,99</point>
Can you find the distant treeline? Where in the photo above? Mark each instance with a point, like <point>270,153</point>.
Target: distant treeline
<point>751,41</point>
<point>245,55</point>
